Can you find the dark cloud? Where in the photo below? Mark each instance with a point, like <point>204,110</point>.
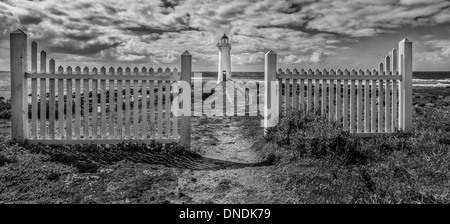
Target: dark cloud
<point>30,19</point>
<point>143,30</point>
<point>183,21</point>
<point>101,20</point>
<point>76,26</point>
<point>293,7</point>
<point>82,37</point>
<point>8,23</point>
<point>75,48</point>
<point>111,10</point>
<point>57,12</point>
<point>232,11</point>
<point>170,3</point>
<point>83,6</point>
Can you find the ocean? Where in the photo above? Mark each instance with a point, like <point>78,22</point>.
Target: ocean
<point>420,78</point>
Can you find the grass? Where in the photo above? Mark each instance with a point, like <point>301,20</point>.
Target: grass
<point>64,174</point>
<point>315,161</point>
<point>322,163</point>
<point>5,109</point>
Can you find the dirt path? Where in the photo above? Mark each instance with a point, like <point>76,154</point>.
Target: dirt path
<point>232,139</point>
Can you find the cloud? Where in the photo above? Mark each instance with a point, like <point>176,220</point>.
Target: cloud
<point>247,58</point>
<point>436,51</point>
<point>314,57</point>
<point>131,57</point>
<point>414,2</point>
<point>317,56</point>
<point>364,18</point>
<point>158,31</point>
<point>29,19</point>
<point>83,49</point>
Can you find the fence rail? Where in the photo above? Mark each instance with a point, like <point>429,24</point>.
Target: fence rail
<point>75,106</point>
<point>108,106</point>
<point>363,101</point>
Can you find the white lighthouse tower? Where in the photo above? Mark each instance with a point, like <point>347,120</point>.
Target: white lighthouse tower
<point>224,59</point>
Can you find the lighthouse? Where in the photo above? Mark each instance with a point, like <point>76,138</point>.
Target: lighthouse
<point>224,59</point>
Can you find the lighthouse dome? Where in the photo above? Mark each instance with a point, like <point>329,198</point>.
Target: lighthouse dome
<point>224,39</point>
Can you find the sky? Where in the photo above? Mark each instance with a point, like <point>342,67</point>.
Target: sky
<point>304,33</point>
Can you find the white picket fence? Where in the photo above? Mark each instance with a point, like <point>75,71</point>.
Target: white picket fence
<point>363,101</point>
<point>91,106</point>
<point>82,105</point>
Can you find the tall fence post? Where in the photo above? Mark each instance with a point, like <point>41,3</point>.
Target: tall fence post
<point>270,75</point>
<point>405,69</point>
<point>185,121</point>
<point>19,108</point>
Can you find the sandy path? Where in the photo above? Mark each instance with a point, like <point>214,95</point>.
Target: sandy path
<point>231,139</point>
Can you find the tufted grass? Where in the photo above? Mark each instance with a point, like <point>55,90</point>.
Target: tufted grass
<point>322,163</point>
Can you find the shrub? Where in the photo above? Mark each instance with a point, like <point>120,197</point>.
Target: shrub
<point>394,168</point>
<point>314,136</point>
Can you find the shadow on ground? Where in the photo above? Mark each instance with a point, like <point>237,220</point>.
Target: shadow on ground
<point>88,159</point>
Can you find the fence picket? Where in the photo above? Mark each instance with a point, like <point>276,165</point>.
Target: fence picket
<point>34,92</point>
<point>69,104</point>
<point>323,104</point>
<point>94,114</point>
<point>159,105</point>
<point>316,90</point>
<point>387,95</point>
<point>359,114</point>
<point>295,90</point>
<point>175,111</point>
<point>119,134</point>
<point>280,92</point>
<point>352,105</point>
<point>373,111</point>
<point>394,92</point>
<point>331,99</point>
<point>103,104</point>
<point>167,105</point>
<point>144,87</point>
<point>367,103</point>
<point>77,104</point>
<point>43,97</point>
<point>111,106</point>
<point>302,90</point>
<point>309,91</point>
<point>52,89</point>
<point>287,92</point>
<point>127,105</point>
<point>136,105</point>
<point>345,106</point>
<point>338,97</point>
<point>151,91</point>
<point>61,104</point>
<point>380,99</point>
<point>86,105</point>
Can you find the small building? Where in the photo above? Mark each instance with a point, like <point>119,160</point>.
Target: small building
<point>224,71</point>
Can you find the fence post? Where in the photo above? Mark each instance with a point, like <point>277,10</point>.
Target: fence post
<point>185,121</point>
<point>19,104</point>
<point>270,75</point>
<point>405,69</point>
